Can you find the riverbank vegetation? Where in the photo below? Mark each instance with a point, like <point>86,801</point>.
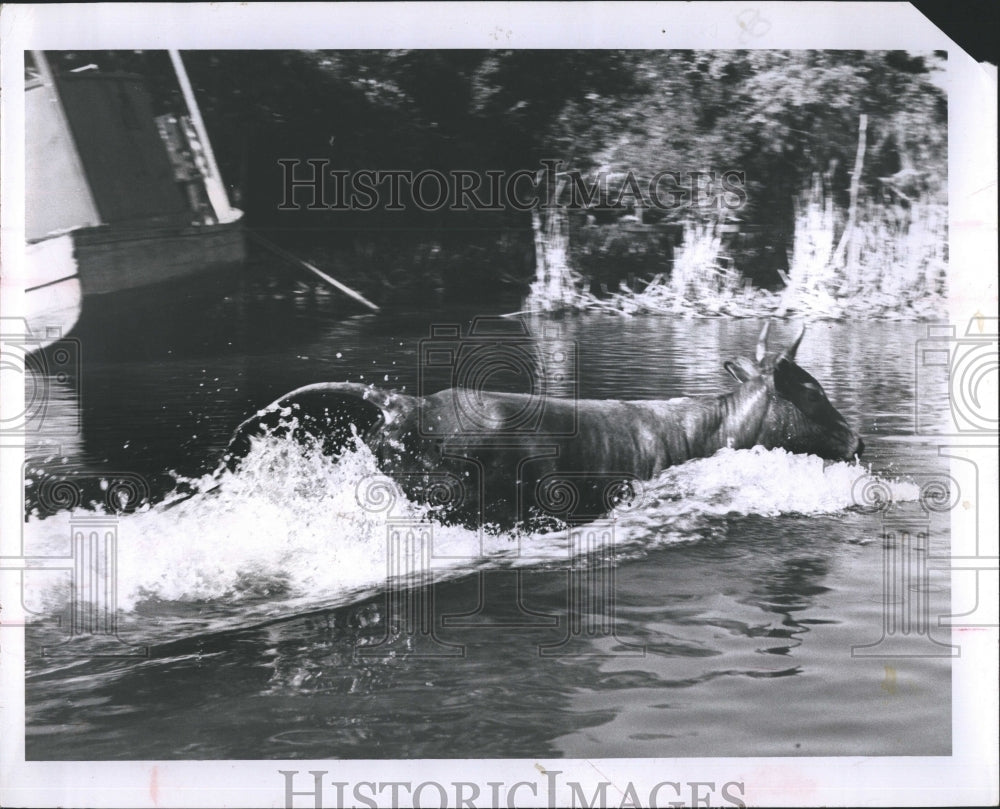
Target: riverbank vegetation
<point>890,263</point>
<point>834,203</point>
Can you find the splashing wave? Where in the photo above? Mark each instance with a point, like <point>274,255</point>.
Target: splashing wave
<point>286,532</point>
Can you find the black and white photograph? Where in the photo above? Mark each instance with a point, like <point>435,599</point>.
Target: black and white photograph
<point>539,404</point>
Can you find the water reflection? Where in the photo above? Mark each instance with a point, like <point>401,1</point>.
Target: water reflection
<point>165,392</point>
<point>729,618</point>
<point>325,697</point>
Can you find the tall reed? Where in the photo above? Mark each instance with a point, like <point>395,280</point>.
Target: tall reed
<point>895,265</point>
<point>885,260</point>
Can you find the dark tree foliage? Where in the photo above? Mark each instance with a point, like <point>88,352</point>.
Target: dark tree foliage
<point>777,116</point>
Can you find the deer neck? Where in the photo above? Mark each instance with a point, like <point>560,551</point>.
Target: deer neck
<point>742,415</point>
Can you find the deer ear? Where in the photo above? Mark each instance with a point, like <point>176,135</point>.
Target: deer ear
<point>737,373</point>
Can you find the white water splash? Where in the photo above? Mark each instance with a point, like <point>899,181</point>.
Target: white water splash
<point>770,483</point>
<point>287,531</point>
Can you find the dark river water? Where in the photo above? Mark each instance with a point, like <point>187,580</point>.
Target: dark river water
<point>744,606</point>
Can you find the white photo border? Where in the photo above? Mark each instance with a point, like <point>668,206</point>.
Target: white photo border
<point>967,777</point>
